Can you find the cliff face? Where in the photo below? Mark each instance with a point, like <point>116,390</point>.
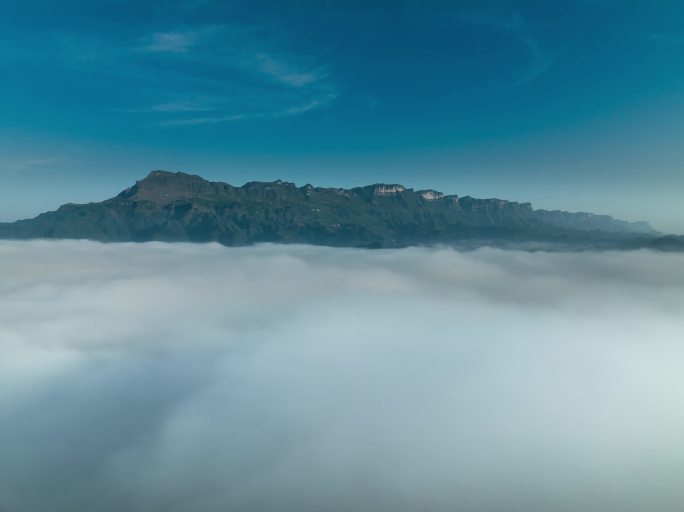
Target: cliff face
<point>183,207</point>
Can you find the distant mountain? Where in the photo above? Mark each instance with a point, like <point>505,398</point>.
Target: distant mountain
<point>667,243</point>
<point>179,207</point>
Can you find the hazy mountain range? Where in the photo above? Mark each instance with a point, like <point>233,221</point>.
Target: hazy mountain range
<point>179,207</point>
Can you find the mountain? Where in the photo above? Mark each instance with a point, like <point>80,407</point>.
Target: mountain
<point>671,243</point>
<point>169,206</point>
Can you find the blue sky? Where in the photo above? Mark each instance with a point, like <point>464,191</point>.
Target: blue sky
<point>572,105</point>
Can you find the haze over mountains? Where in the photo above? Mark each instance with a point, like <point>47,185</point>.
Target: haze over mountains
<point>180,207</point>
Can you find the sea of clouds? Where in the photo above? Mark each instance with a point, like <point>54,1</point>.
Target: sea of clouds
<point>157,377</point>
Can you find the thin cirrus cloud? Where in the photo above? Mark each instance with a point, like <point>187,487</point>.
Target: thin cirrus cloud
<point>233,58</point>
<point>516,26</point>
<point>165,78</point>
<point>179,107</point>
<point>171,41</point>
<point>269,114</point>
<point>20,164</point>
<point>205,378</point>
<point>287,75</point>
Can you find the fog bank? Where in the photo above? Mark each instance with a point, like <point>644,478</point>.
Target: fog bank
<point>150,377</point>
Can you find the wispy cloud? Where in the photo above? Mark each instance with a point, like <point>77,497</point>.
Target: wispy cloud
<point>232,71</point>
<point>173,107</point>
<point>180,107</point>
<point>285,73</point>
<point>269,114</point>
<point>19,164</point>
<point>515,25</point>
<point>237,73</point>
<point>170,42</point>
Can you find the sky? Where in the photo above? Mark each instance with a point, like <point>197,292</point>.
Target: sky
<point>296,378</point>
<point>570,105</point>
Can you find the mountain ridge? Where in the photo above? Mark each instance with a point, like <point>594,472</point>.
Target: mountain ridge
<point>178,206</point>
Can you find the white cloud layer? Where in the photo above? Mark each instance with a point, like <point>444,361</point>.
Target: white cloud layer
<point>203,378</point>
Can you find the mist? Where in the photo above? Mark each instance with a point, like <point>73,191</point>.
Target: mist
<point>179,377</point>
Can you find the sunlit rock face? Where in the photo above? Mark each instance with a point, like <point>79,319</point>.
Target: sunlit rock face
<point>430,195</point>
<point>197,377</point>
<point>384,189</point>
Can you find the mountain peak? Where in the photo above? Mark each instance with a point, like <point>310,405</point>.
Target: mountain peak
<point>159,174</point>
<point>164,186</point>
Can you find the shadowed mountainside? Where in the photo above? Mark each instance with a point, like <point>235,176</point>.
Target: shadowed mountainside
<point>173,207</point>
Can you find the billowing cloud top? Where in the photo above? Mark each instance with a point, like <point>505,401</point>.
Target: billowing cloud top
<point>204,378</point>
